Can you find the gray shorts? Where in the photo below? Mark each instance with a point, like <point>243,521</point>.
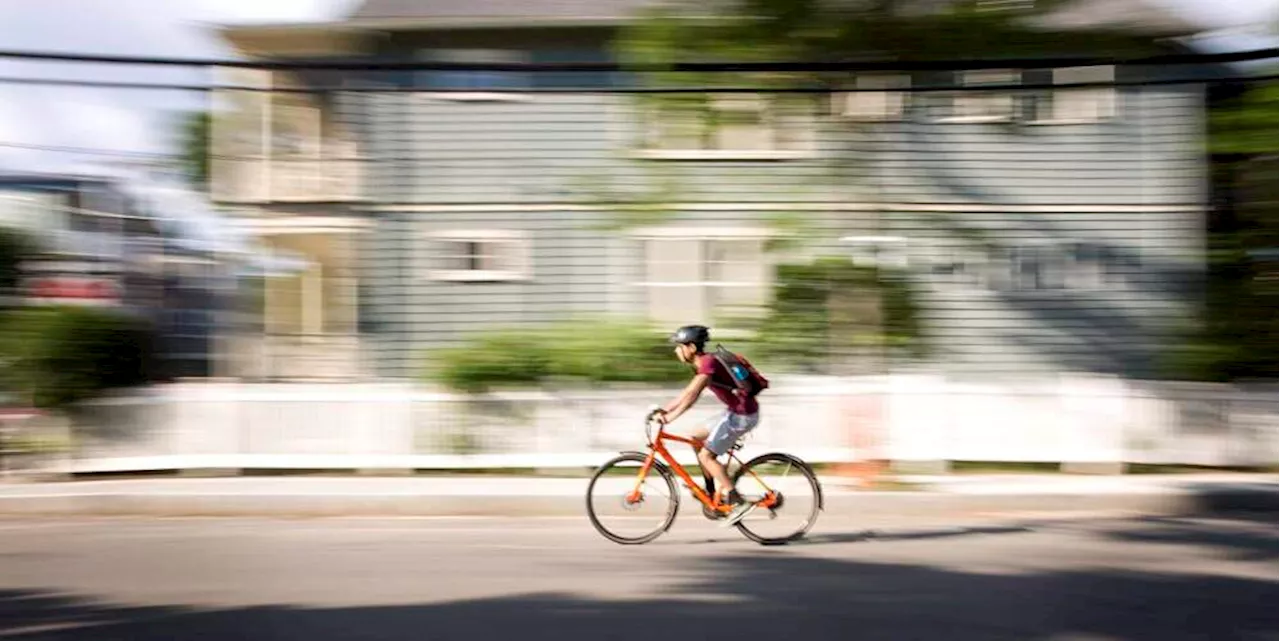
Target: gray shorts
<point>726,429</point>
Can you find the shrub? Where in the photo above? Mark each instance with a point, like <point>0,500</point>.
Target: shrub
<point>15,247</point>
<point>586,350</point>
<point>504,357</point>
<point>59,356</point>
<point>822,308</point>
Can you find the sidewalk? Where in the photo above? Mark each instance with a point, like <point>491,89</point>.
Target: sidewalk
<point>541,496</point>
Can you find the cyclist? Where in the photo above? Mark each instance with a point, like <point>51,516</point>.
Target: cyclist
<point>741,414</point>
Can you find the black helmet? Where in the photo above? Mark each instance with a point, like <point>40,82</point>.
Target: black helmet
<point>696,334</point>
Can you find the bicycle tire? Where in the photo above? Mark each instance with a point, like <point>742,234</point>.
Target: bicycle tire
<point>807,472</point>
<point>657,468</point>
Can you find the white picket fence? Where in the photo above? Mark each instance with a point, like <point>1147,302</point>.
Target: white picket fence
<point>900,418</point>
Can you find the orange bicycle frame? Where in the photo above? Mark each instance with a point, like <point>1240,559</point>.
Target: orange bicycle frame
<point>658,449</point>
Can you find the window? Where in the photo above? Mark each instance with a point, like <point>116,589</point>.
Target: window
<point>478,256</point>
<point>475,81</point>
<point>1073,104</point>
<point>882,98</point>
<point>705,280</point>
<point>729,126</point>
<point>984,106</point>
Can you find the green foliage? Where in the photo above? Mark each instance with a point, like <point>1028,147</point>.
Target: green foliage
<point>824,308</point>
<point>754,30</point>
<point>508,357</point>
<point>1245,124</point>
<point>59,356</point>
<point>791,231</point>
<point>578,350</point>
<point>15,247</point>
<point>1235,336</point>
<point>195,147</point>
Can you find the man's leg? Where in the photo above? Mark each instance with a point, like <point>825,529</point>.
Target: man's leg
<point>709,463</point>
<point>699,437</point>
<point>718,441</point>
<point>722,439</point>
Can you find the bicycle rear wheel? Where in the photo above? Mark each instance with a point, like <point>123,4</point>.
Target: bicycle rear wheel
<point>626,509</point>
<point>792,493</point>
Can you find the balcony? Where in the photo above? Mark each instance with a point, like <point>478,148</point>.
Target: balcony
<point>259,180</point>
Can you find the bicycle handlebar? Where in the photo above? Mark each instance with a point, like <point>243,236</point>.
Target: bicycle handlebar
<point>648,423</point>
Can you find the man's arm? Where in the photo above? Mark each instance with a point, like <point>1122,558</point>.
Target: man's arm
<point>687,398</point>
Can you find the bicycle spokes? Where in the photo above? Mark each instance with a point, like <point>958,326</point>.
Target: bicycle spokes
<point>631,499</point>
<point>786,497</point>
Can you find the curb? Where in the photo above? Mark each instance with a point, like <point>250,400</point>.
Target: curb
<point>1205,502</point>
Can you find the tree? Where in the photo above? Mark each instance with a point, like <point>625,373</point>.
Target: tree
<point>15,247</point>
<point>818,30</point>
<point>61,356</point>
<point>1237,334</point>
<point>195,147</point>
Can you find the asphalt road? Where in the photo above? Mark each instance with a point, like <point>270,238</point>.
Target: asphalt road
<point>1076,578</point>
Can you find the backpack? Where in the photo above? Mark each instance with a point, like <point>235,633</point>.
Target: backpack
<point>746,379</point>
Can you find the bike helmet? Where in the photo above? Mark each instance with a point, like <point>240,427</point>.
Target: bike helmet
<point>695,334</point>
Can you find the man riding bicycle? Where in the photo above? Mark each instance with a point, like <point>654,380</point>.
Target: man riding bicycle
<point>718,436</point>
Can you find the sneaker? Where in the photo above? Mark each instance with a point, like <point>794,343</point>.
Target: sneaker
<point>741,509</point>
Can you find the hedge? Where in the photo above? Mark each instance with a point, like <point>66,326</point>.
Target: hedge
<point>59,356</point>
<point>586,350</point>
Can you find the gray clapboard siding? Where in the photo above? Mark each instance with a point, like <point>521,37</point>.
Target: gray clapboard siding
<point>438,150</point>
<point>1149,154</point>
<point>980,324</point>
<point>983,321</point>
<point>426,150</point>
<point>537,150</point>
<point>569,277</point>
<point>576,270</point>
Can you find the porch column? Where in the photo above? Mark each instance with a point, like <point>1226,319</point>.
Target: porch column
<point>313,300</point>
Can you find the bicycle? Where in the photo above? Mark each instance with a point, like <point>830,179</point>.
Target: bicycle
<point>612,481</point>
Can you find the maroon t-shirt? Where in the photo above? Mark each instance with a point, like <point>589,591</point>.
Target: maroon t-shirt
<point>723,386</point>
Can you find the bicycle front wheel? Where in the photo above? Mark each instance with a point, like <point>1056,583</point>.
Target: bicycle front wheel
<point>790,498</point>
<point>627,508</point>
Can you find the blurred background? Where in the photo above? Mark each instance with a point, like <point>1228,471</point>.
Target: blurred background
<point>399,234</point>
<point>1009,265</point>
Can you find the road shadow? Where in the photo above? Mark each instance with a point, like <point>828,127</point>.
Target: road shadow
<point>1245,499</point>
<point>872,535</point>
<point>1249,540</point>
<point>778,593</point>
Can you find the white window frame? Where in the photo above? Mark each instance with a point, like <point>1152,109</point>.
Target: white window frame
<point>650,146</point>
<point>704,235</point>
<point>972,106</point>
<point>523,255</point>
<point>881,98</point>
<point>475,54</point>
<point>1081,105</point>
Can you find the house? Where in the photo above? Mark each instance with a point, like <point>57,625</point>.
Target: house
<point>437,203</point>
<point>104,240</point>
